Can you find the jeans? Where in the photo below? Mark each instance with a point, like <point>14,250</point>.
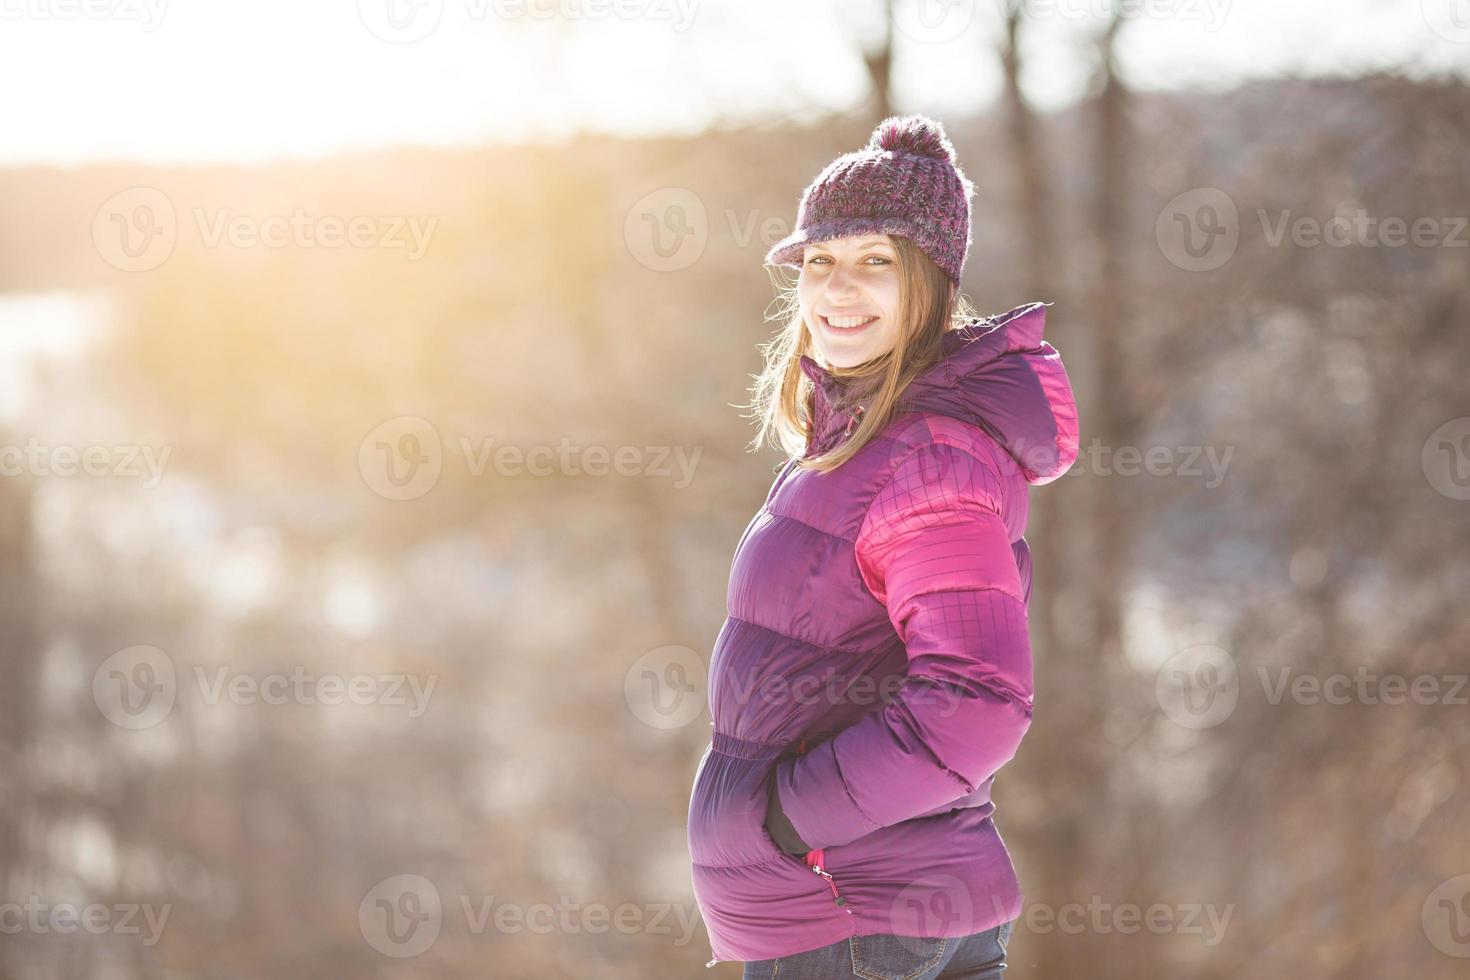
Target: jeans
<point>979,956</point>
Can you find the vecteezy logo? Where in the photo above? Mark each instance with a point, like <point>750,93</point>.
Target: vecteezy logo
<point>1199,229</point>
<point>934,902</point>
<point>1445,917</point>
<point>401,916</point>
<point>665,687</point>
<point>934,21</point>
<point>1450,19</point>
<point>667,229</point>
<point>135,687</point>
<point>400,21</point>
<point>135,230</point>
<point>1446,458</point>
<point>1198,687</point>
<point>401,459</point>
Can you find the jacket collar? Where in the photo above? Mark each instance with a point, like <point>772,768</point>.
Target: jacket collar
<point>995,372</point>
<point>831,418</point>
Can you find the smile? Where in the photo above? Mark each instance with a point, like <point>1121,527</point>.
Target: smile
<point>847,322</point>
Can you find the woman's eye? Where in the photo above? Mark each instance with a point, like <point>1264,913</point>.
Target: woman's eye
<point>824,260</point>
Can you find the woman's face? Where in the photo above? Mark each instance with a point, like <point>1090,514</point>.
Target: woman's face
<point>848,292</point>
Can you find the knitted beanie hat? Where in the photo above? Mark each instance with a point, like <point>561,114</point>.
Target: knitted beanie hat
<point>905,181</point>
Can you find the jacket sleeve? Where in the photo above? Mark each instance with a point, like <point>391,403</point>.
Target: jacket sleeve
<point>934,550</point>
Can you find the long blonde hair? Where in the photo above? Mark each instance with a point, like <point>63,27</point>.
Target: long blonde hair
<point>781,398</point>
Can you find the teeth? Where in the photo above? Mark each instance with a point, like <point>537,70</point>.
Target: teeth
<point>848,322</point>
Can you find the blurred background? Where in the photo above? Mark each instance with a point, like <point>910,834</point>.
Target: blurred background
<point>372,464</point>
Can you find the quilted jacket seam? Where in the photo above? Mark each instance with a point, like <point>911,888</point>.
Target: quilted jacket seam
<point>946,589</point>
<point>798,520</point>
<point>799,639</point>
<point>842,777</point>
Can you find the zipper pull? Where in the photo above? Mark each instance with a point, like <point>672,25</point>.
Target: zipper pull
<point>815,857</point>
<point>837,898</point>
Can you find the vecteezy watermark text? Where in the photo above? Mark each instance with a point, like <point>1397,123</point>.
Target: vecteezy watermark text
<point>403,458</point>
<point>300,687</point>
<point>1189,462</point>
<point>402,916</point>
<point>36,917</point>
<point>146,13</point>
<point>1363,686</point>
<point>36,459</point>
<point>137,687</point>
<point>137,229</point>
<point>1200,229</point>
<point>1204,919</point>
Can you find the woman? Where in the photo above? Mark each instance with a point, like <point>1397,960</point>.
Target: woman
<point>874,672</point>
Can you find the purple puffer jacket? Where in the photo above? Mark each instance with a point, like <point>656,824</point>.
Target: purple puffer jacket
<point>876,657</point>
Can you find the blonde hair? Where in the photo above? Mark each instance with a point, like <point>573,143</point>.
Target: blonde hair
<point>782,396</point>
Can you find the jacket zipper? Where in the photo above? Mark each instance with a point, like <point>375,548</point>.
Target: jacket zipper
<point>815,858</point>
<point>814,861</point>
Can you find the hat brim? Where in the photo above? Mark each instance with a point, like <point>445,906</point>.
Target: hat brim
<point>788,250</point>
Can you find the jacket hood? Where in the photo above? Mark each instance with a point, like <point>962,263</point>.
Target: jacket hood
<point>994,372</point>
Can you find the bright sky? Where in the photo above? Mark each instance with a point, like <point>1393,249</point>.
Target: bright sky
<point>245,80</point>
<point>42,327</point>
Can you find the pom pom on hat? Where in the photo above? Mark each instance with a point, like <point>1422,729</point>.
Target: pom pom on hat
<point>912,134</point>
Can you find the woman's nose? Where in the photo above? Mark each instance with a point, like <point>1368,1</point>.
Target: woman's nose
<point>840,283</point>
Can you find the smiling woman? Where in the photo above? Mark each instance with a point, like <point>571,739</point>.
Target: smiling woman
<point>849,292</point>
<point>873,309</point>
<point>880,244</point>
<point>826,833</point>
